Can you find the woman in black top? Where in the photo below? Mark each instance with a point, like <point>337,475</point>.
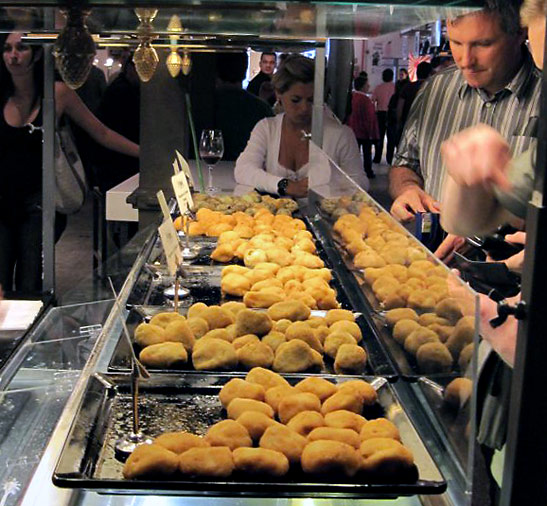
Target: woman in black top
<point>21,84</point>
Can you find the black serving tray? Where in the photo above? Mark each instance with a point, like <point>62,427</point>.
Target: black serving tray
<point>377,364</point>
<point>362,299</point>
<point>174,403</point>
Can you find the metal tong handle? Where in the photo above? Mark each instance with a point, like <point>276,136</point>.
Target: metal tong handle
<point>136,363</point>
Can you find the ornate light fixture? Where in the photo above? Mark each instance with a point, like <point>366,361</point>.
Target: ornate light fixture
<point>74,48</point>
<point>145,58</point>
<point>174,61</point>
<point>186,63</point>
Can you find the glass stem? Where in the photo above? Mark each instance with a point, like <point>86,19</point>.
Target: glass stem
<point>210,167</point>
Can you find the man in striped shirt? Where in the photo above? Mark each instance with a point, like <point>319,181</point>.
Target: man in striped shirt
<point>494,82</point>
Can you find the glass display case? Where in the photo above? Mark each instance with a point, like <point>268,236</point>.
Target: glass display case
<point>55,376</point>
<point>411,398</point>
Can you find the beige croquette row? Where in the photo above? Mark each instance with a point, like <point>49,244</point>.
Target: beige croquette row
<point>438,340</point>
<point>320,427</point>
<point>268,283</point>
<point>214,223</point>
<point>224,337</point>
<point>248,203</point>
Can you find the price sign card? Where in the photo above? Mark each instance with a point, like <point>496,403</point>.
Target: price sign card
<point>183,164</point>
<point>164,207</point>
<point>171,246</point>
<point>182,192</point>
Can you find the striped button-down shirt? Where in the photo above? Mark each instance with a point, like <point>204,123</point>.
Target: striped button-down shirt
<point>446,104</point>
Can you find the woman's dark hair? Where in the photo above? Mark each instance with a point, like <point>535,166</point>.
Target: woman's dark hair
<point>6,82</point>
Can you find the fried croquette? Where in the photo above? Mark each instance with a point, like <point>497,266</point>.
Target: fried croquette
<point>253,322</point>
<point>350,359</point>
<point>214,462</point>
<point>276,394</point>
<point>268,379</point>
<point>343,400</point>
<point>257,354</point>
<point>260,461</point>
<point>361,389</point>
<point>285,440</point>
<point>164,355</point>
<point>380,427</point>
<point>243,389</point>
<point>293,404</point>
<point>292,310</point>
<point>214,354</point>
<point>165,318</point>
<point>347,436</point>
<point>394,315</point>
<point>217,317</point>
<point>302,331</point>
<point>336,339</point>
<point>320,387</point>
<point>150,460</point>
<point>179,442</point>
<point>228,433</point>
<point>305,421</point>
<point>147,334</point>
<point>294,356</point>
<point>239,405</point>
<point>328,457</point>
<point>385,456</point>
<point>347,326</point>
<point>434,358</point>
<point>343,419</point>
<point>256,423</point>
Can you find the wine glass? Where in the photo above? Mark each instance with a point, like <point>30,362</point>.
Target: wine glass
<point>211,149</point>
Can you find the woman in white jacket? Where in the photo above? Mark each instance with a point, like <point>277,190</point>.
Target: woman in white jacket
<point>278,158</point>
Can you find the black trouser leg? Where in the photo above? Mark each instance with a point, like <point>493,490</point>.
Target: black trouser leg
<point>8,251</point>
<point>366,146</point>
<point>382,120</point>
<point>28,271</point>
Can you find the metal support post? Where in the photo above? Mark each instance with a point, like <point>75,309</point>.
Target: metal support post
<point>48,173</point>
<point>524,480</point>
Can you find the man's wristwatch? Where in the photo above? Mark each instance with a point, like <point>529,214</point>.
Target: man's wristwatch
<point>282,187</point>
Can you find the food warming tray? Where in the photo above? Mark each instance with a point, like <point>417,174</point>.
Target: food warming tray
<point>377,362</point>
<point>361,295</point>
<point>174,403</point>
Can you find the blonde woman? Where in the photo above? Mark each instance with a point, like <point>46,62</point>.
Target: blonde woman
<point>277,157</point>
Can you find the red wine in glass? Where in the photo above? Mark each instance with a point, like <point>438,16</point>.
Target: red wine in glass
<point>211,149</point>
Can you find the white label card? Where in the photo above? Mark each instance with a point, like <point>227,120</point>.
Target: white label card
<point>182,192</point>
<point>164,206</point>
<point>185,168</point>
<point>171,246</point>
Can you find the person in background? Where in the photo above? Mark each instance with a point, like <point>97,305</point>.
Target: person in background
<point>267,68</point>
<point>487,186</point>
<point>494,81</point>
<point>381,97</point>
<point>408,93</point>
<point>362,120</point>
<point>403,78</point>
<point>21,85</point>
<point>267,93</point>
<point>277,157</point>
<point>236,111</point>
<point>119,110</point>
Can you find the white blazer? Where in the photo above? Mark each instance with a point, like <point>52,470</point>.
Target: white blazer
<point>258,165</point>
